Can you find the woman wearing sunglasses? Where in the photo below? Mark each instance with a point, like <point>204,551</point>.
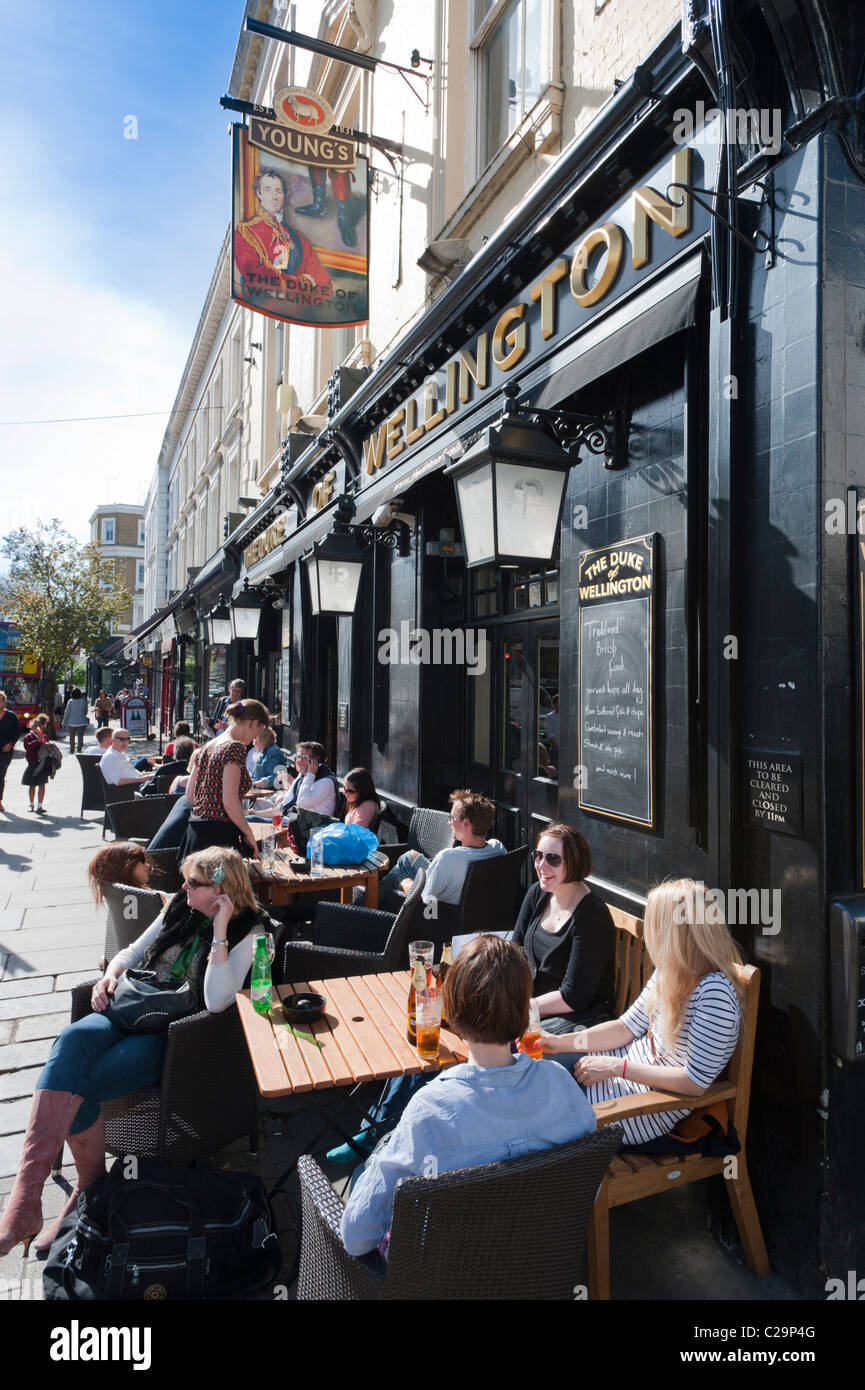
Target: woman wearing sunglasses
<point>204,936</point>
<point>567,934</point>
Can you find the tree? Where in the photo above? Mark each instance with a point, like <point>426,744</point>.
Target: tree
<point>61,595</point>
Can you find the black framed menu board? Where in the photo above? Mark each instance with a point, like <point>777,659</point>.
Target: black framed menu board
<point>616,680</point>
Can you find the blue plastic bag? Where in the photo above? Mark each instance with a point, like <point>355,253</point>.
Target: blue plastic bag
<point>343,844</point>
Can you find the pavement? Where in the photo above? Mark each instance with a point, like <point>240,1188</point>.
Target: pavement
<point>51,939</point>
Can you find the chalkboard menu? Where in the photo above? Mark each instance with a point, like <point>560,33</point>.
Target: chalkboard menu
<point>616,674</point>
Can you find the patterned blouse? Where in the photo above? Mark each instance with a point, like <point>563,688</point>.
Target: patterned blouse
<point>212,761</point>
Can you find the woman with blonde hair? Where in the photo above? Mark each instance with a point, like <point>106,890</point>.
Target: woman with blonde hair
<point>204,936</point>
<point>680,1033</point>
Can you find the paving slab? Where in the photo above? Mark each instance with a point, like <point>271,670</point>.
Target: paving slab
<point>19,1083</point>
<point>26,1054</point>
<point>43,1026</point>
<point>61,936</point>
<point>6,1030</point>
<point>25,986</point>
<point>77,977</point>
<point>31,1005</point>
<point>13,1115</point>
<point>49,897</point>
<point>37,917</point>
<point>49,962</point>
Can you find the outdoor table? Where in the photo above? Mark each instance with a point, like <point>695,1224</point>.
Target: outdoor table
<point>362,1037</point>
<point>277,886</point>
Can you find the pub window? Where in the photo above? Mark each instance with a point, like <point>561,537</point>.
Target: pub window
<point>528,589</point>
<point>485,591</point>
<point>508,42</point>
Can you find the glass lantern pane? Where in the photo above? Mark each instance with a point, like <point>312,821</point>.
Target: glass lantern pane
<point>220,631</point>
<point>338,582</point>
<point>246,621</point>
<point>527,504</point>
<point>475,497</point>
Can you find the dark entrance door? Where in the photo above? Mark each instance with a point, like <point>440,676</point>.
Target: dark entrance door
<point>526,668</point>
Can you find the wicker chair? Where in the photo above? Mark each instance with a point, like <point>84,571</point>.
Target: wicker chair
<point>139,819</point>
<point>489,901</point>
<point>428,831</point>
<point>207,1097</point>
<point>509,1230</point>
<point>93,783</point>
<point>130,912</point>
<point>357,940</point>
<point>167,863</point>
<point>113,796</point>
<point>162,781</point>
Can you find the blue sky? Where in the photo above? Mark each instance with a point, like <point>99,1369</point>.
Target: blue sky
<point>107,244</point>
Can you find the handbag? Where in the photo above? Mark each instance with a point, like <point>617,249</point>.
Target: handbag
<point>170,1233</point>
<point>143,1004</point>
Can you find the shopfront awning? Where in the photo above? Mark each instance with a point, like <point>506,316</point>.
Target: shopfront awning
<point>646,319</point>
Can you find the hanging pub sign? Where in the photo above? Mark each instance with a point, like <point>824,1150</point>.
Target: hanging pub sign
<point>299,225</point>
<point>616,594</point>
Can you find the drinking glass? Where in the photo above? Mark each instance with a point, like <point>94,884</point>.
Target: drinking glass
<point>530,1042</point>
<point>423,950</point>
<point>428,1015</point>
<point>267,853</point>
<point>316,856</point>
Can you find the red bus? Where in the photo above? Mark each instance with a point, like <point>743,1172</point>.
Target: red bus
<point>20,674</point>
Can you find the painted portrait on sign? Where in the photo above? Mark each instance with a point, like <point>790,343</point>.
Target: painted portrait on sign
<point>299,228</point>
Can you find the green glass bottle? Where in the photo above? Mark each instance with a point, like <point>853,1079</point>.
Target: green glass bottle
<point>262,986</point>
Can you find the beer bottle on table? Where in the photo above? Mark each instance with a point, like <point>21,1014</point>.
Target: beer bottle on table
<point>418,982</point>
<point>261,984</point>
<point>447,961</point>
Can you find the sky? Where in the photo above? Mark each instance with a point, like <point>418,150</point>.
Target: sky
<point>107,243</point>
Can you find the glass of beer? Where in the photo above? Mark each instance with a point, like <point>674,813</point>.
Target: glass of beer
<point>425,951</point>
<point>530,1042</point>
<point>428,1006</point>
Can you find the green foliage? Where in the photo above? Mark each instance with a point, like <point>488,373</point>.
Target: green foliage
<point>60,594</point>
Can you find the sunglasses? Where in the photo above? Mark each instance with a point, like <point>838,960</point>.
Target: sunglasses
<point>554,860</point>
<point>196,883</point>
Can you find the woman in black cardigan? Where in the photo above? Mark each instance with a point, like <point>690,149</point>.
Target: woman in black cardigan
<point>567,934</point>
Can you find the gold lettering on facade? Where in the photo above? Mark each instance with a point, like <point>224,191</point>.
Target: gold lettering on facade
<point>452,371</point>
<point>431,415</point>
<point>673,216</point>
<point>395,443</point>
<point>323,491</point>
<point>545,291</point>
<point>476,368</point>
<point>373,449</point>
<point>610,236</point>
<point>509,343</point>
<point>413,431</point>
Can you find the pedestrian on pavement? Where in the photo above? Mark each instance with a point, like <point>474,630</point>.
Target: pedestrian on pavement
<point>75,720</point>
<point>37,771</point>
<point>103,708</point>
<point>205,936</point>
<point>10,732</point>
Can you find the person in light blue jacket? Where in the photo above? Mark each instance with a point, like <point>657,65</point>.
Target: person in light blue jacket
<point>270,758</point>
<point>494,1106</point>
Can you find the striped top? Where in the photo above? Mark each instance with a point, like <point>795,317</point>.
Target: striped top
<point>705,1044</point>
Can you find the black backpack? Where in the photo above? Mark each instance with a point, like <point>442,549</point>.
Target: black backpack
<point>170,1233</point>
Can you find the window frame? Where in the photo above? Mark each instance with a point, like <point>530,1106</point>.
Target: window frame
<point>106,522</point>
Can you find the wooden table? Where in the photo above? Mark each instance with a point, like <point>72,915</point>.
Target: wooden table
<point>278,886</point>
<point>362,1035</point>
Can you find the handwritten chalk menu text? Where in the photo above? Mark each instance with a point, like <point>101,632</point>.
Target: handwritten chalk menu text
<point>773,788</point>
<point>616,672</point>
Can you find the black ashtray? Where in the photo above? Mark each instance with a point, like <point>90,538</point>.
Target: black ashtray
<point>303,1008</point>
<point>299,866</point>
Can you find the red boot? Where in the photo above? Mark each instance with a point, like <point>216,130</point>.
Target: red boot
<point>88,1150</point>
<point>51,1114</point>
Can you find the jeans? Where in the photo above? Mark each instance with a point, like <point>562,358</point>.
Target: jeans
<point>95,1059</point>
<point>102,720</point>
<point>76,731</point>
<point>405,867</point>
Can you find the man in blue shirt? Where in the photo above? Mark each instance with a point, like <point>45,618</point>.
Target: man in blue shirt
<point>494,1106</point>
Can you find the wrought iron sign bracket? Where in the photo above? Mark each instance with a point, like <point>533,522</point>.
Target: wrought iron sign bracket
<point>395,536</point>
<point>605,435</point>
<point>750,242</point>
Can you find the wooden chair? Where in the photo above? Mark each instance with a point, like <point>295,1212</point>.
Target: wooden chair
<point>632,1176</point>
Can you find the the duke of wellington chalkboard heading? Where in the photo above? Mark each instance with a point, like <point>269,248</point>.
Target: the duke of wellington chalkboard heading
<point>616,680</point>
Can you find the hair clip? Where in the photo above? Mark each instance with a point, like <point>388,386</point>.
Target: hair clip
<point>218,875</point>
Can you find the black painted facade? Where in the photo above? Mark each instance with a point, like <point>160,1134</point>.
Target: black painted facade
<point>742,426</point>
